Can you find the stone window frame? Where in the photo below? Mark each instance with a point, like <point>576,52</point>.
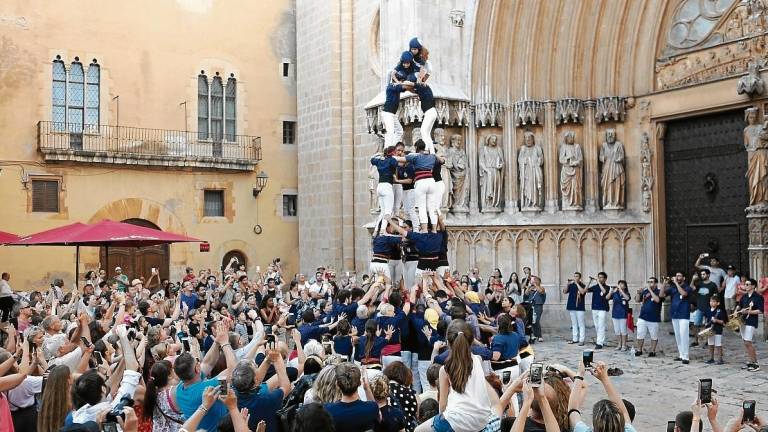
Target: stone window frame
<point>294,120</point>
<point>226,118</point>
<point>90,104</point>
<point>229,201</point>
<point>290,64</point>
<point>30,192</point>
<point>283,194</point>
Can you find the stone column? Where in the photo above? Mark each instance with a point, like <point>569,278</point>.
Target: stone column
<point>550,158</point>
<point>590,158</point>
<point>472,177</point>
<point>757,219</point>
<point>510,156</point>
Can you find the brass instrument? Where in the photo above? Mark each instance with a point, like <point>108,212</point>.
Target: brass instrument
<point>706,333</point>
<point>736,320</point>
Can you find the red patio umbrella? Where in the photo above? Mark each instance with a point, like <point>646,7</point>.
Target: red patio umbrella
<point>6,237</point>
<point>105,233</point>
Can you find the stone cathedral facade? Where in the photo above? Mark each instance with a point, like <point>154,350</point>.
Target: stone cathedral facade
<point>580,136</point>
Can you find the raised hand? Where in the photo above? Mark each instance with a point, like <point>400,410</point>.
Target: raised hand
<point>600,371</point>
<point>427,332</point>
<point>389,332</point>
<point>210,395</point>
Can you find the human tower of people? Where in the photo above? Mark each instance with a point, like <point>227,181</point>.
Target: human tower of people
<point>412,346</point>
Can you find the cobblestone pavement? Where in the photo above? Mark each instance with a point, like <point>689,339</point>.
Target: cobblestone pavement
<point>661,387</point>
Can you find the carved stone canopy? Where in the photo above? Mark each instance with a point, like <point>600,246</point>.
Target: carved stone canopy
<point>569,110</point>
<point>610,108</point>
<point>528,112</point>
<point>751,83</point>
<point>489,114</point>
<point>451,104</point>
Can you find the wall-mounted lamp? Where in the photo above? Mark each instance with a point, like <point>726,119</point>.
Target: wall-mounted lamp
<point>261,183</point>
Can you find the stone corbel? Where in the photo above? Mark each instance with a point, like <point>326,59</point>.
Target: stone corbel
<point>610,108</point>
<point>528,112</point>
<point>489,114</point>
<point>457,17</point>
<point>569,110</point>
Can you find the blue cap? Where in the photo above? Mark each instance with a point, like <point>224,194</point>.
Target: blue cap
<point>406,57</point>
<point>414,43</point>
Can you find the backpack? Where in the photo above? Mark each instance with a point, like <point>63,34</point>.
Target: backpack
<point>295,399</point>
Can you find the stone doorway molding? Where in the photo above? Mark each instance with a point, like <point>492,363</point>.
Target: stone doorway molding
<point>136,208</point>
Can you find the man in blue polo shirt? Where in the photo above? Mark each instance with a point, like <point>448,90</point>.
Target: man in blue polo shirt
<point>680,312</point>
<point>650,316</point>
<point>750,307</point>
<point>577,292</point>
<point>600,292</point>
<point>194,379</point>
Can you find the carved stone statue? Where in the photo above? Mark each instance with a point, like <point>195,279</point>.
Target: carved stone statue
<point>530,159</point>
<point>491,175</point>
<point>415,135</point>
<point>571,183</point>
<point>373,181</point>
<point>756,143</point>
<point>646,170</point>
<point>751,83</point>
<point>445,170</point>
<point>612,176</point>
<point>459,163</point>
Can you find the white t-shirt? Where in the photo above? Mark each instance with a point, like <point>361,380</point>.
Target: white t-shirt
<point>716,275</point>
<point>5,288</point>
<point>730,286</point>
<point>23,395</point>
<point>469,411</point>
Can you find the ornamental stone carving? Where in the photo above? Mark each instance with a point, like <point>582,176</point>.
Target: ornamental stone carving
<point>491,175</point>
<point>449,113</point>
<point>445,170</point>
<point>751,83</point>
<point>646,170</point>
<point>756,143</point>
<point>489,114</point>
<point>612,176</point>
<point>530,160</point>
<point>569,111</point>
<point>528,112</point>
<point>459,164</point>
<point>610,108</point>
<point>457,17</point>
<point>571,178</point>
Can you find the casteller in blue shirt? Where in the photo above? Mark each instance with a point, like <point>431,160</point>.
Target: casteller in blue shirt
<point>680,307</point>
<point>599,302</point>
<point>354,416</point>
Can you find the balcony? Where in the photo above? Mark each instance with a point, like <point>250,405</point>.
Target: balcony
<point>122,145</point>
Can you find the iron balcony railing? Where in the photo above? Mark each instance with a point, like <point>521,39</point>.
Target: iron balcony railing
<point>103,143</point>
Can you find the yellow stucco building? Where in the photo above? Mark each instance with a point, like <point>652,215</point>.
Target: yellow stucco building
<point>158,113</point>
